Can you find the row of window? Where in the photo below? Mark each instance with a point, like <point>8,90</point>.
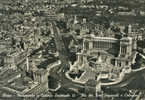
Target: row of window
<point>99,45</point>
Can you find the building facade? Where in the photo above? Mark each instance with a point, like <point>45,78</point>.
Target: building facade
<point>106,51</point>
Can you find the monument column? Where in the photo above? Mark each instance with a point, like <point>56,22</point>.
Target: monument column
<point>90,45</point>
<point>85,62</point>
<point>79,59</point>
<point>116,62</point>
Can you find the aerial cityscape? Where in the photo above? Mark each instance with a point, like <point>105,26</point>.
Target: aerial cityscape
<point>72,50</point>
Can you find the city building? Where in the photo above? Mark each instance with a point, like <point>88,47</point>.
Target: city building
<point>100,52</point>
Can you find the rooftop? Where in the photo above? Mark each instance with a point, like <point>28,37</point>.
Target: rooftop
<point>101,38</point>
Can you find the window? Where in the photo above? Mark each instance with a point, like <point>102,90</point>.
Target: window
<point>95,44</point>
<point>127,63</point>
<point>86,45</point>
